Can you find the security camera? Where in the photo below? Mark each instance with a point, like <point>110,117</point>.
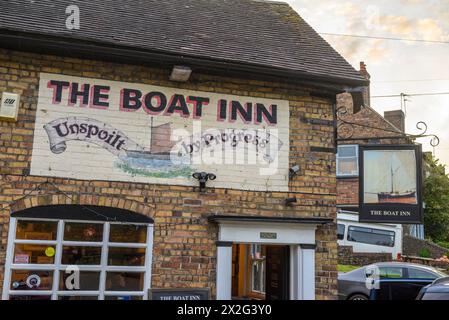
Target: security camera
<point>289,201</point>
<point>293,171</point>
<point>202,177</point>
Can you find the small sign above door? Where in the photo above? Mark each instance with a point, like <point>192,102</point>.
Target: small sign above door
<point>268,235</point>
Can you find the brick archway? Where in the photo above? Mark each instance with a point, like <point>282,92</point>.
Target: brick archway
<point>77,199</point>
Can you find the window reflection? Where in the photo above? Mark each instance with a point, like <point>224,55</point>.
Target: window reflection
<point>31,280</point>
<point>124,281</point>
<point>81,255</point>
<point>371,236</point>
<point>128,233</point>
<point>36,254</point>
<point>126,256</point>
<point>36,230</point>
<point>87,281</point>
<point>74,231</point>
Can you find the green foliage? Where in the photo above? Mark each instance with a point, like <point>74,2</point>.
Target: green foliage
<point>444,244</point>
<point>436,197</point>
<point>346,268</point>
<point>424,253</point>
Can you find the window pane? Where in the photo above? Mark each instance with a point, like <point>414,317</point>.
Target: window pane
<point>347,166</point>
<point>391,272</point>
<point>81,255</point>
<point>88,280</point>
<point>126,256</point>
<point>128,233</point>
<point>420,274</point>
<point>340,231</point>
<point>83,231</point>
<point>77,298</point>
<point>31,280</point>
<point>347,151</point>
<point>262,278</point>
<point>258,251</point>
<point>124,281</point>
<point>123,298</point>
<point>371,236</point>
<point>257,273</point>
<point>31,253</point>
<point>36,230</point>
<point>29,297</point>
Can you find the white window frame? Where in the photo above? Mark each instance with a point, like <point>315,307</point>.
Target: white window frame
<point>57,267</point>
<point>356,146</point>
<point>262,264</point>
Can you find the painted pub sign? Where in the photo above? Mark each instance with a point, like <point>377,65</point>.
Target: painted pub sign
<point>107,130</point>
<point>390,184</point>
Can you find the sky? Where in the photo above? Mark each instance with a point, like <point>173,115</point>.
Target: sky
<point>395,66</point>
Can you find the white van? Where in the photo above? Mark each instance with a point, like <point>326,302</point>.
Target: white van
<point>368,237</point>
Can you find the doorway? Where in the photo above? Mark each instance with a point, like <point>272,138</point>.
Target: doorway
<point>260,272</point>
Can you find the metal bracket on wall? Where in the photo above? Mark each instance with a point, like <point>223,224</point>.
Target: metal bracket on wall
<point>321,122</point>
<point>346,130</point>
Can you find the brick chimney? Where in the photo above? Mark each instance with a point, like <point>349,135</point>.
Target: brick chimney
<point>354,100</point>
<point>397,118</point>
<point>366,90</point>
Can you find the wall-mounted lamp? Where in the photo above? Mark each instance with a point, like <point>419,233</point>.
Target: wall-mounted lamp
<point>290,201</point>
<point>180,73</point>
<point>293,171</point>
<point>202,177</point>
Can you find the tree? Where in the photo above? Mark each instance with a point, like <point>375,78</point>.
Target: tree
<point>436,198</point>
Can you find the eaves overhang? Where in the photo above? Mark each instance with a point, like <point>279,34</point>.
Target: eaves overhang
<point>93,50</point>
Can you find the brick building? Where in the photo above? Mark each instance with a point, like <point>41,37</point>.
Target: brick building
<point>374,129</point>
<point>92,171</point>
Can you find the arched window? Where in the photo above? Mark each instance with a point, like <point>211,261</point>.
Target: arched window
<point>78,252</point>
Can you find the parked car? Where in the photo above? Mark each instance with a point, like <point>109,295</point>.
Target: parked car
<point>358,284</point>
<point>438,290</point>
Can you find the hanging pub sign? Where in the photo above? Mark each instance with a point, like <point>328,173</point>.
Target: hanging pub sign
<point>390,184</point>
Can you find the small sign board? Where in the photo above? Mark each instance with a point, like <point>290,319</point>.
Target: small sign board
<point>268,235</point>
<point>9,106</point>
<point>21,258</point>
<point>179,294</point>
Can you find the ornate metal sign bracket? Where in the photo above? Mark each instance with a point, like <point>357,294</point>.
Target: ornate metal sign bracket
<point>345,131</point>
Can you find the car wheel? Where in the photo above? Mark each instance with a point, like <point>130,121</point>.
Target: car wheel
<point>358,297</point>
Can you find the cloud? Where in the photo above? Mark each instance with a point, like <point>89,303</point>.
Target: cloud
<point>407,2</point>
<point>430,29</point>
<point>348,9</point>
<point>396,25</point>
<point>358,20</point>
<point>377,51</point>
<point>426,29</point>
